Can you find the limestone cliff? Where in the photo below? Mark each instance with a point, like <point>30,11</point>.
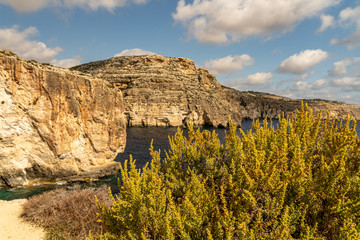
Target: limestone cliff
<point>258,105</point>
<point>163,91</point>
<point>56,124</point>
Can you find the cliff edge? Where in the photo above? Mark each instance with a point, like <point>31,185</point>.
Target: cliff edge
<point>56,124</point>
<point>165,91</point>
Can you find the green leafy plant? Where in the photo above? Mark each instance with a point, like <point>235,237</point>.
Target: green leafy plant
<point>300,180</point>
<point>35,101</point>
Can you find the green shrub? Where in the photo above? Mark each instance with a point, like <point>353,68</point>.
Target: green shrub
<point>35,101</point>
<point>298,181</point>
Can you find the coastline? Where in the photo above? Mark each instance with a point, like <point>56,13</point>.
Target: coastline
<point>12,226</point>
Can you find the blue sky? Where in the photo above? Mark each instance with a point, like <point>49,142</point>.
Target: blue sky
<point>293,48</point>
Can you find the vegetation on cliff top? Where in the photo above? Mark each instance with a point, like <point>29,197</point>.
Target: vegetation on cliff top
<point>298,181</point>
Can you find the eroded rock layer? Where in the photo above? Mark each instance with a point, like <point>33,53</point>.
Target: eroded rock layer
<point>163,91</point>
<point>56,124</point>
<point>259,105</point>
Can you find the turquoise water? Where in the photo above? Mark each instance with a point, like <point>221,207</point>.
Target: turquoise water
<point>138,144</point>
<point>26,192</point>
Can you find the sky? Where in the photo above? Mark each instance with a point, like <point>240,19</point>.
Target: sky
<point>303,49</point>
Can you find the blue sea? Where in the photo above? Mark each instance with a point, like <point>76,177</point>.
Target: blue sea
<point>138,144</point>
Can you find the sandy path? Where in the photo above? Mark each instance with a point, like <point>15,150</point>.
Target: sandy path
<point>12,227</point>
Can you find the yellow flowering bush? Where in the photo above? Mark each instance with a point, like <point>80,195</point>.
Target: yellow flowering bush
<point>300,180</point>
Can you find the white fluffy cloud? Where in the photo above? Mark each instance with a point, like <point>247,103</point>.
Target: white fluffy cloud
<point>134,52</point>
<point>19,42</point>
<point>349,17</point>
<point>258,78</point>
<point>219,21</point>
<point>67,63</point>
<point>326,22</point>
<point>34,5</point>
<point>253,80</point>
<point>229,64</point>
<point>340,66</point>
<point>303,86</point>
<point>348,82</point>
<point>29,6</point>
<point>303,61</point>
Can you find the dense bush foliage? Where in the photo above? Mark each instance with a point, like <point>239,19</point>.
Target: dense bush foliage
<point>66,213</point>
<point>298,181</point>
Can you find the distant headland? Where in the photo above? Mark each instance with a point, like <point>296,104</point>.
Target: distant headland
<point>165,91</point>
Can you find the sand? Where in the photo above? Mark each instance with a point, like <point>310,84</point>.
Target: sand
<point>12,227</point>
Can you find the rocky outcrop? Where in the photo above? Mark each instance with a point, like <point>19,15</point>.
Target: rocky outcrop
<point>163,91</point>
<point>56,124</point>
<point>259,105</point>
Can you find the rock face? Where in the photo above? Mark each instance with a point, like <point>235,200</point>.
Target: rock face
<point>259,105</point>
<point>162,91</point>
<point>56,124</point>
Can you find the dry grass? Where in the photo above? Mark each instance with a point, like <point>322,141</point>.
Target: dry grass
<point>66,214</point>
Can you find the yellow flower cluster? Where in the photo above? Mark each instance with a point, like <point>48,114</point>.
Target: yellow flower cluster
<point>299,180</point>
